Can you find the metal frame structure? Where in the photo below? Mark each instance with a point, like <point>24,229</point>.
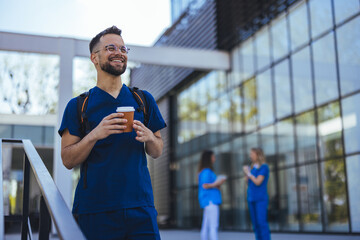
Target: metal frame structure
<point>52,204</point>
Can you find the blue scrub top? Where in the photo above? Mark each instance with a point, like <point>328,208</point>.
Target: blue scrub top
<point>117,174</point>
<point>206,195</point>
<point>258,193</point>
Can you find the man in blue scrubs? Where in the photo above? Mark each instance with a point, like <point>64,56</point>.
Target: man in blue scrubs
<point>117,201</point>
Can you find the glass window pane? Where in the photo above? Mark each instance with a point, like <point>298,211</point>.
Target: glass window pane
<point>351,122</point>
<point>286,144</point>
<point>282,89</point>
<point>353,179</point>
<point>252,141</point>
<point>250,108</point>
<point>274,203</point>
<point>236,66</point>
<point>288,200</point>
<point>241,212</point>
<point>303,88</point>
<point>213,121</point>
<point>268,145</point>
<point>280,39</point>
<point>84,75</point>
<point>5,131</point>
<point>349,56</point>
<point>236,109</point>
<point>29,83</point>
<point>325,69</point>
<point>262,44</point>
<point>265,98</point>
<point>335,200</point>
<point>330,137</point>
<point>310,198</point>
<point>49,136</point>
<point>34,133</point>
<point>183,210</point>
<point>239,156</point>
<point>225,117</point>
<point>321,16</point>
<point>306,137</point>
<point>345,9</point>
<point>299,29</point>
<point>248,58</point>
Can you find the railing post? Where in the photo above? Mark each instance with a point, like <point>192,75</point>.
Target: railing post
<point>45,221</point>
<point>2,217</point>
<point>26,183</point>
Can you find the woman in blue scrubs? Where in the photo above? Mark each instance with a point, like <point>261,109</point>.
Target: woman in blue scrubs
<point>209,196</point>
<point>258,199</point>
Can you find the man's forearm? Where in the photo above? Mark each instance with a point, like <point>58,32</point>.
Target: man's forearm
<point>75,154</point>
<point>154,148</point>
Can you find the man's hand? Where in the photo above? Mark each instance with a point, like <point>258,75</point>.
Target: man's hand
<point>153,141</point>
<point>111,124</point>
<point>143,133</point>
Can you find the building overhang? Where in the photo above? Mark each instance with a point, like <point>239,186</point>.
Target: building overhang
<point>199,59</point>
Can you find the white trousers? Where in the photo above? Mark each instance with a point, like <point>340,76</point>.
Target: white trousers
<point>210,223</point>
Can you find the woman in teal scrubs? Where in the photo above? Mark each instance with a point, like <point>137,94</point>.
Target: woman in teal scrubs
<point>258,199</point>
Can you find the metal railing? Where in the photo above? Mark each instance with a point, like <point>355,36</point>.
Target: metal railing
<point>52,205</point>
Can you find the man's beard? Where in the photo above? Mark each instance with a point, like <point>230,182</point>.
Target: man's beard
<point>107,67</point>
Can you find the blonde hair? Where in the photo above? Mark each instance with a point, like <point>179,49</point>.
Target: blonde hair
<point>260,157</point>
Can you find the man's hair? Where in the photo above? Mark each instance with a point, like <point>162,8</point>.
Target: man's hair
<point>96,39</point>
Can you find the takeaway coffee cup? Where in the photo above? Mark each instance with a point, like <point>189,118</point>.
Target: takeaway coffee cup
<point>129,115</point>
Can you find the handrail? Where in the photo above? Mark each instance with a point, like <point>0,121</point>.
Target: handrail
<point>52,203</point>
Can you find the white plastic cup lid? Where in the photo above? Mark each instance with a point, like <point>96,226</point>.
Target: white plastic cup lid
<point>125,109</point>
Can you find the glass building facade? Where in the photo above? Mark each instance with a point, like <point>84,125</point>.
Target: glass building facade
<point>293,90</point>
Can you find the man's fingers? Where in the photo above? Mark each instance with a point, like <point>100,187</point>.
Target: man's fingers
<point>114,115</point>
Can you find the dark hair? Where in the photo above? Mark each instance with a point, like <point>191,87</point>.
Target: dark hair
<point>96,39</point>
<point>205,161</point>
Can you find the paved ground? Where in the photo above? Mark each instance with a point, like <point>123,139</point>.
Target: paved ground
<point>195,235</point>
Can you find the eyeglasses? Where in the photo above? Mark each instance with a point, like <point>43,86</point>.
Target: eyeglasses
<point>111,48</point>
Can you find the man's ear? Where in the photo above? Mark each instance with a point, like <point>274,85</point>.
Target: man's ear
<point>94,59</point>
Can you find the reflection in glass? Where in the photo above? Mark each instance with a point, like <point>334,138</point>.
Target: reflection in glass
<point>351,122</point>
<point>349,56</point>
<point>236,110</point>
<point>213,121</point>
<point>34,133</point>
<point>265,98</point>
<point>329,124</point>
<point>242,217</point>
<point>236,67</point>
<point>325,69</point>
<point>303,89</point>
<point>84,75</point>
<point>299,30</point>
<point>224,112</point>
<point>282,89</point>
<point>335,202</point>
<point>250,108</point>
<point>184,174</point>
<point>274,203</point>
<point>252,141</point>
<point>321,16</point>
<point>306,137</point>
<point>280,38</point>
<point>248,58</point>
<point>239,157</point>
<point>345,9</point>
<point>262,44</point>
<point>285,138</point>
<point>183,210</point>
<point>268,142</point>
<point>288,200</point>
<point>28,83</point>
<point>353,179</point>
<point>310,197</point>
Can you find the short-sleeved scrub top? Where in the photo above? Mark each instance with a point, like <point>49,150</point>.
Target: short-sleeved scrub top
<point>206,195</point>
<point>117,173</point>
<point>258,193</point>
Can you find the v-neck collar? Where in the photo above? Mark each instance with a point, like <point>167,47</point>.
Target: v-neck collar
<point>109,95</point>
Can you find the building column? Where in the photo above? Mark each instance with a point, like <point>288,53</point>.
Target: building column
<point>63,176</point>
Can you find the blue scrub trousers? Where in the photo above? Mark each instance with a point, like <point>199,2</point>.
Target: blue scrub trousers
<point>124,224</point>
<point>258,214</point>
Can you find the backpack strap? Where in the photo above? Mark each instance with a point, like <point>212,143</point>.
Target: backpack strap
<point>82,102</point>
<point>143,105</point>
